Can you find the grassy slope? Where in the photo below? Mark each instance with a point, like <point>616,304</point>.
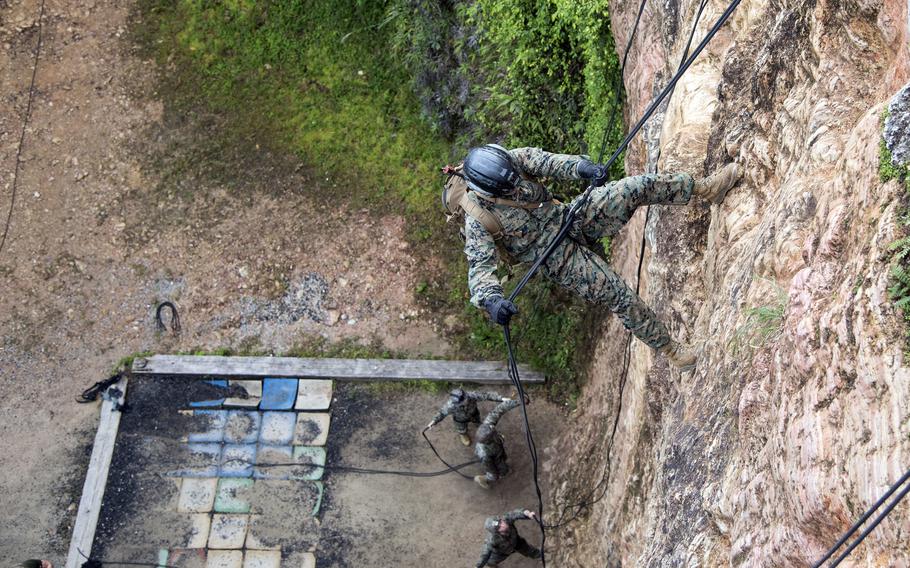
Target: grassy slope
<point>331,82</point>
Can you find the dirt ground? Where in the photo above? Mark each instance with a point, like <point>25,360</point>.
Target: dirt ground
<point>114,212</point>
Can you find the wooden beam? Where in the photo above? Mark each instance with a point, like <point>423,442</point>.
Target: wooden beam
<point>96,480</point>
<point>483,372</point>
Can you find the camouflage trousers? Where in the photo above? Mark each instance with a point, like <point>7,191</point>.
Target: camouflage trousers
<point>496,468</point>
<point>522,547</point>
<point>577,268</point>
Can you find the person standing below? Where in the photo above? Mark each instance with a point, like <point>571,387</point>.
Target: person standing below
<point>503,538</point>
<point>462,407</point>
<point>509,184</point>
<point>490,448</point>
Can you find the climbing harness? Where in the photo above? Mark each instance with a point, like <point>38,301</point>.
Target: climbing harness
<point>91,394</point>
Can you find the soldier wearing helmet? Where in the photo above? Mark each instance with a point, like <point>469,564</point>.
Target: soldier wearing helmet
<point>510,184</point>
<point>503,538</point>
<point>462,407</point>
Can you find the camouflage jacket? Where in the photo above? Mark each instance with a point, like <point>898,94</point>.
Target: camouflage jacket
<point>492,448</point>
<point>498,543</point>
<point>463,411</point>
<point>525,232</point>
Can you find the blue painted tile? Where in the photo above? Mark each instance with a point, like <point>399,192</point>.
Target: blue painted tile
<point>211,424</point>
<point>221,383</point>
<point>242,427</point>
<point>238,460</point>
<point>277,428</point>
<point>204,461</point>
<point>278,394</point>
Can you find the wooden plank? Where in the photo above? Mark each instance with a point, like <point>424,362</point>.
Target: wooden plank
<point>95,480</point>
<point>484,372</point>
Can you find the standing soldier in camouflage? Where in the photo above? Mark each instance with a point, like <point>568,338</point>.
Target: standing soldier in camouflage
<point>509,185</point>
<point>490,449</point>
<point>503,538</point>
<point>462,407</point>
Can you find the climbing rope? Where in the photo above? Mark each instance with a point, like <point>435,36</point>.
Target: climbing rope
<point>568,219</point>
<point>363,470</point>
<point>432,447</point>
<point>28,115</point>
<point>863,519</point>
<point>627,352</point>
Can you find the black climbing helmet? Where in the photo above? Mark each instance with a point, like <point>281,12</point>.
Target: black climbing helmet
<point>457,394</point>
<point>489,170</point>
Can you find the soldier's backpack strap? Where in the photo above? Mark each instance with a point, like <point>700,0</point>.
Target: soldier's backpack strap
<point>455,197</point>
<point>520,204</point>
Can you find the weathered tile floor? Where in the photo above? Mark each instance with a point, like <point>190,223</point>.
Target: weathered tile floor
<point>218,474</point>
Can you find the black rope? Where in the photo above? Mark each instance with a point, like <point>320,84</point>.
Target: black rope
<point>363,470</point>
<point>432,447</point>
<point>91,394</point>
<point>175,318</point>
<point>28,115</point>
<point>95,563</point>
<point>863,519</point>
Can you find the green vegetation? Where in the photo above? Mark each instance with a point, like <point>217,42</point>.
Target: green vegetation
<point>126,363</point>
<point>373,97</point>
<point>899,291</point>
<point>763,324</point>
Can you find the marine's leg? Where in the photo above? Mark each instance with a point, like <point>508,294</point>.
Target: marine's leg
<point>462,429</point>
<point>578,269</point>
<point>611,206</point>
<point>525,549</point>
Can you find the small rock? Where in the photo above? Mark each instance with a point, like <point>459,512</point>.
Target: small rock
<point>352,321</point>
<point>332,316</point>
<point>897,127</point>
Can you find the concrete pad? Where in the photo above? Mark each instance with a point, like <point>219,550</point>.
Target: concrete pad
<point>232,495</point>
<point>201,525</point>
<point>242,426</point>
<point>262,559</point>
<point>278,428</point>
<point>313,394</point>
<point>197,495</point>
<point>267,455</point>
<point>312,428</point>
<point>211,424</point>
<point>228,532</point>
<point>215,401</point>
<point>253,390</point>
<point>257,538</point>
<point>188,558</point>
<point>309,455</point>
<point>224,559</point>
<point>238,460</point>
<point>278,394</point>
<point>300,560</point>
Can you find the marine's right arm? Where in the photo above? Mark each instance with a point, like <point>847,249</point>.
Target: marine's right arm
<point>491,396</point>
<point>480,249</point>
<point>446,409</point>
<point>516,515</point>
<point>485,554</point>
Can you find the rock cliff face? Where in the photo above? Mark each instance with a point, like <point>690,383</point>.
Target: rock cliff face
<point>797,417</point>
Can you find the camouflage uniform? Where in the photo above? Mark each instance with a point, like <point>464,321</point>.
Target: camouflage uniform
<point>465,412</point>
<point>492,453</point>
<point>498,547</point>
<point>526,233</point>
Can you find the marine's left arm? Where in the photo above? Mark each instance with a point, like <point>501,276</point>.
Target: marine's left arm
<point>538,163</point>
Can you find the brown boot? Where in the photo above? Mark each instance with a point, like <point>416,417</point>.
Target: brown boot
<point>715,187</point>
<point>681,357</point>
<point>481,480</point>
<point>465,439</point>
